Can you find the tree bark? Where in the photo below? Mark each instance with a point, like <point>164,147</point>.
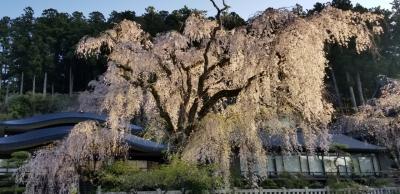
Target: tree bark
<point>34,85</point>
<point>360,90</point>
<point>339,97</point>
<point>71,81</point>
<point>353,99</point>
<point>45,84</point>
<point>7,91</point>
<point>21,87</point>
<point>52,90</point>
<point>351,90</point>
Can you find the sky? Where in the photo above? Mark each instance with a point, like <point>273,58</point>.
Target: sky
<point>245,8</point>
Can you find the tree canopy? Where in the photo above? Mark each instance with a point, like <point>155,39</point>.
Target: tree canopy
<point>206,86</point>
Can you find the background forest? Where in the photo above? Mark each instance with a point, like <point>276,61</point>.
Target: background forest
<point>35,46</point>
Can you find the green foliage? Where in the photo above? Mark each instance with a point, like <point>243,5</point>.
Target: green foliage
<point>17,159</point>
<point>336,183</point>
<point>12,190</point>
<point>178,174</point>
<point>7,181</point>
<point>376,182</point>
<point>47,43</point>
<point>269,184</point>
<point>336,147</point>
<point>291,181</point>
<point>20,106</point>
<point>232,20</point>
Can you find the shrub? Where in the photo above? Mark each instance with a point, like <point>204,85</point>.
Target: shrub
<point>16,160</point>
<point>19,106</point>
<point>178,174</point>
<point>336,183</point>
<point>12,190</point>
<point>269,184</point>
<point>376,182</point>
<point>292,181</point>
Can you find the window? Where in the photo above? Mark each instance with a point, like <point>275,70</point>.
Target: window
<point>376,164</point>
<point>279,164</point>
<point>304,164</point>
<point>355,165</point>
<point>342,165</point>
<point>315,165</point>
<point>330,164</point>
<point>348,165</point>
<point>292,163</point>
<point>271,165</point>
<point>366,165</point>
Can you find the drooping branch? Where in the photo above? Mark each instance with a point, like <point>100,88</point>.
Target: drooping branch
<point>274,69</point>
<point>164,114</point>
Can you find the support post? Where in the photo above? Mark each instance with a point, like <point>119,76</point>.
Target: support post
<point>45,84</point>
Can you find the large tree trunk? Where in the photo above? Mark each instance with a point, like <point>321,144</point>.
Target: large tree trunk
<point>360,90</point>
<point>45,84</point>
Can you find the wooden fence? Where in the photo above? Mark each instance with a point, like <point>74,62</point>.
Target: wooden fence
<point>387,190</point>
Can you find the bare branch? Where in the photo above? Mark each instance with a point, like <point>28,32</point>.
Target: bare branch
<point>219,11</point>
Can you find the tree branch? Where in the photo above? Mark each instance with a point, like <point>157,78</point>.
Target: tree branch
<point>214,99</point>
<point>225,93</point>
<point>163,113</point>
<point>200,87</point>
<point>219,11</point>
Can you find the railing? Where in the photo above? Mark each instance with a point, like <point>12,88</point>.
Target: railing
<point>387,190</point>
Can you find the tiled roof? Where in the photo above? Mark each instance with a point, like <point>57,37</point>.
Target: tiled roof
<point>348,142</point>
<point>354,144</point>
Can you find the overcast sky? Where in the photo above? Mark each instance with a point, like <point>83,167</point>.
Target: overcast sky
<point>245,8</point>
